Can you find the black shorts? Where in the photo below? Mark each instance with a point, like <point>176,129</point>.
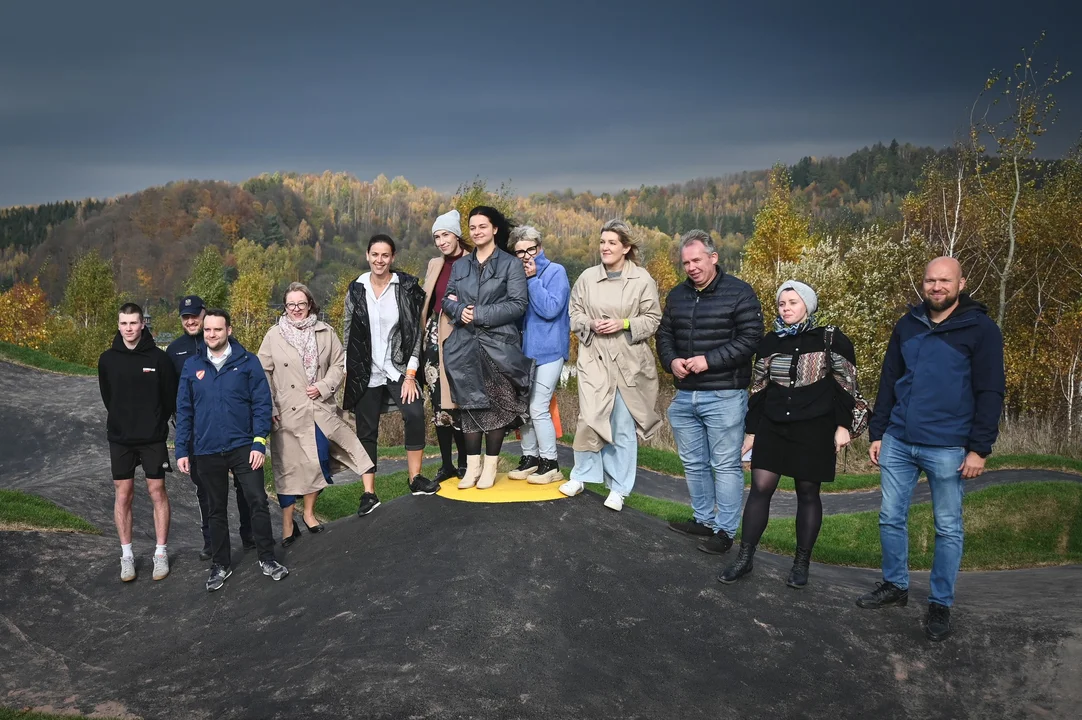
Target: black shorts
<point>153,457</point>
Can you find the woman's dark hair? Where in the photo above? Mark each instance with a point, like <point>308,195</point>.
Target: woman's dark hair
<point>381,238</point>
<point>313,306</point>
<point>501,226</point>
<point>218,312</point>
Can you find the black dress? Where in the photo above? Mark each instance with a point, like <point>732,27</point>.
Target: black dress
<point>799,398</point>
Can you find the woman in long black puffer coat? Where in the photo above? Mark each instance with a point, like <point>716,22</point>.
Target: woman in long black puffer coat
<point>488,374</point>
<point>804,407</point>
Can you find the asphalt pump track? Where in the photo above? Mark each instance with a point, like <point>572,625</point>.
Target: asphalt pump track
<point>431,608</point>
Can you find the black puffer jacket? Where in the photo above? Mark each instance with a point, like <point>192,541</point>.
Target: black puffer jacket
<point>498,293</point>
<point>723,322</point>
<point>405,337</point>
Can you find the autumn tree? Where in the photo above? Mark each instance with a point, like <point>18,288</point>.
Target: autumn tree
<point>90,298</point>
<point>249,307</point>
<point>24,312</point>
<point>207,278</point>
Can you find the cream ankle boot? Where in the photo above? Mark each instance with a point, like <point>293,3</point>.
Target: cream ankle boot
<point>473,472</point>
<point>488,473</point>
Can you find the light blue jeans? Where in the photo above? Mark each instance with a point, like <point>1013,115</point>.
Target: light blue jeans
<point>614,464</point>
<point>539,435</point>
<point>709,429</point>
<point>900,464</point>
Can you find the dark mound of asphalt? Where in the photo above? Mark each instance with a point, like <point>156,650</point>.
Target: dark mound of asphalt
<point>431,608</point>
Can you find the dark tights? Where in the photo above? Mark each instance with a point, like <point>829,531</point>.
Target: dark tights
<point>493,442</point>
<point>809,509</point>
<point>446,434</point>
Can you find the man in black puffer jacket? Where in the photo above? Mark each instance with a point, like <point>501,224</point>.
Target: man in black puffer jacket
<point>709,331</point>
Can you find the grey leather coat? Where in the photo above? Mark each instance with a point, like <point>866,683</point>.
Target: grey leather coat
<point>497,290</point>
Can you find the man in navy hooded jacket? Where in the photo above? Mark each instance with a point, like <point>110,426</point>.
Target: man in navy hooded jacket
<point>223,419</point>
<point>940,397</point>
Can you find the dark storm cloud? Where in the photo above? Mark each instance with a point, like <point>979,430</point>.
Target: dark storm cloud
<point>105,98</point>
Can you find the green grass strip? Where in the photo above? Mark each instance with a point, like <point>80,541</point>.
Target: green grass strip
<point>11,714</point>
<point>21,511</point>
<point>37,359</point>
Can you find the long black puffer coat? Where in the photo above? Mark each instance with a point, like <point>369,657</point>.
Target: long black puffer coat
<point>497,290</point>
<point>405,337</point>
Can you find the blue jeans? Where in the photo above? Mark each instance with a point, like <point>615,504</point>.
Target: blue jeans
<point>539,435</point>
<point>614,464</point>
<point>900,464</point>
<point>709,428</point>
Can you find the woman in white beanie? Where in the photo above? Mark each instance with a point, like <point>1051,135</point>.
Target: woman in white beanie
<point>436,326</point>
<point>804,406</point>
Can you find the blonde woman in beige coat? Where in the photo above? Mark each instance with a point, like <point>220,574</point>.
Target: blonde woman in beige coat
<point>614,311</point>
<point>305,364</point>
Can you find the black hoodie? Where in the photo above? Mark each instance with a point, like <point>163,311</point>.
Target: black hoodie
<point>139,389</point>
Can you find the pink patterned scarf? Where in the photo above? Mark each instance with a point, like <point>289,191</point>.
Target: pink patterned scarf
<point>302,338</point>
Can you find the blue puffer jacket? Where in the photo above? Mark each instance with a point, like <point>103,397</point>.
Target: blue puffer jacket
<point>546,326</point>
<point>228,408</point>
<point>942,386</point>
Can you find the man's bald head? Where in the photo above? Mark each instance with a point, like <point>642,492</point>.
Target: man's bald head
<point>943,282</point>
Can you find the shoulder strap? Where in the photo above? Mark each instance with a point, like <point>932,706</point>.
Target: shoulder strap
<point>828,341</point>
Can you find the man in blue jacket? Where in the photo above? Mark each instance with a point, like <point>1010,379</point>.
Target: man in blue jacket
<point>223,419</point>
<point>179,351</point>
<point>940,397</point>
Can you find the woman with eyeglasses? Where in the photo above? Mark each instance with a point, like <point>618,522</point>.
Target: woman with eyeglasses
<point>305,364</point>
<point>546,339</point>
<point>489,376</point>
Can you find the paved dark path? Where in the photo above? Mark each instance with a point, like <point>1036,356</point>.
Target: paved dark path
<point>431,608</point>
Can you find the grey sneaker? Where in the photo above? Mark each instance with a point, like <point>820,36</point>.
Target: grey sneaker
<point>274,569</point>
<point>161,566</point>
<point>127,569</point>
<point>218,575</point>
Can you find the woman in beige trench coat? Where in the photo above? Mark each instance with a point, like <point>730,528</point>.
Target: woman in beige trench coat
<point>305,363</point>
<point>435,327</point>
<point>614,311</point>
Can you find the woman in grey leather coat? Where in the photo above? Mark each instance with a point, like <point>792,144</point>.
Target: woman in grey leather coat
<point>488,374</point>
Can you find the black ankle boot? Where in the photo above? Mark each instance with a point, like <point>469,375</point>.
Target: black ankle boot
<point>740,567</point>
<point>798,576</point>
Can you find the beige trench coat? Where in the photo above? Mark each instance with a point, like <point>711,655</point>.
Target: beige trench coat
<point>435,265</point>
<point>619,361</point>
<point>293,438</point>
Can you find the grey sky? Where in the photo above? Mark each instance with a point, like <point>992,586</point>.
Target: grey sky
<point>105,98</point>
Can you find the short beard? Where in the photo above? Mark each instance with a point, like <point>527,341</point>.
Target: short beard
<point>943,304</point>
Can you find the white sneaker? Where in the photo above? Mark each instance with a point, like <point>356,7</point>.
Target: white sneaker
<point>571,488</point>
<point>615,501</point>
<point>161,566</point>
<point>127,569</point>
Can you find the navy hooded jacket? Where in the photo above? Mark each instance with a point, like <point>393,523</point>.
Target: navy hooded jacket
<point>942,386</point>
<point>228,408</point>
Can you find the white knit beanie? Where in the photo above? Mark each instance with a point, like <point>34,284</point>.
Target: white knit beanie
<point>811,300</point>
<point>449,221</point>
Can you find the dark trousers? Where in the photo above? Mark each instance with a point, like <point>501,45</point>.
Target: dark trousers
<point>214,471</point>
<point>368,409</point>
<point>204,507</point>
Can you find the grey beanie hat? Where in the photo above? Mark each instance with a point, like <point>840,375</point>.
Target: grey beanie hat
<point>450,221</point>
<point>811,300</point>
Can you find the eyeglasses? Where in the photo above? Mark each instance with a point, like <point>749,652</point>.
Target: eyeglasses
<point>297,306</point>
<point>528,252</point>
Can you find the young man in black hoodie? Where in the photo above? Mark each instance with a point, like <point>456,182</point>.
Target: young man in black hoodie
<point>139,388</point>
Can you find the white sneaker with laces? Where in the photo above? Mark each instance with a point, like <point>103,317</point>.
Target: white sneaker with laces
<point>161,566</point>
<point>615,501</point>
<point>571,488</point>
<point>127,569</point>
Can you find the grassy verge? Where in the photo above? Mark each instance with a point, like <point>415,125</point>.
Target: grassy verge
<point>1007,526</point>
<point>10,714</point>
<point>20,511</point>
<point>37,359</point>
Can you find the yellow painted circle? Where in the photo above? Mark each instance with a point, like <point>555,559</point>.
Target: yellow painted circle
<point>505,490</point>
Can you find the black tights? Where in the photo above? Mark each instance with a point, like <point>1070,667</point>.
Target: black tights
<point>446,434</point>
<point>809,509</point>
<point>493,442</point>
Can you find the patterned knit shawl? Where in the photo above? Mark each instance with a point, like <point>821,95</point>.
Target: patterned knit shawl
<point>807,323</point>
<point>302,338</point>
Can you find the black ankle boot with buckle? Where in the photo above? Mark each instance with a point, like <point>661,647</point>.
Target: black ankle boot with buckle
<point>798,576</point>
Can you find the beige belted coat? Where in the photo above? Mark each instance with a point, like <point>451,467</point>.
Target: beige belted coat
<point>622,360</point>
<point>293,438</point>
